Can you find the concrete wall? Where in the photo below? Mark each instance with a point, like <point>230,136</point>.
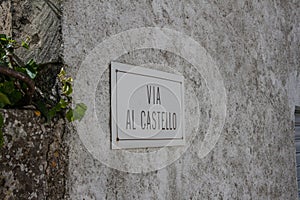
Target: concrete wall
<point>255,47</point>
<point>252,45</point>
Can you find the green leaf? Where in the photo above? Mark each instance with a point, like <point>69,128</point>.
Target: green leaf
<point>7,87</point>
<point>63,103</point>
<point>3,39</point>
<point>69,80</point>
<point>68,89</point>
<point>31,68</point>
<point>3,36</point>
<point>41,106</point>
<point>21,69</point>
<point>13,94</point>
<point>52,112</point>
<point>69,115</point>
<point>25,45</point>
<point>62,73</point>
<point>11,41</point>
<point>31,64</point>
<point>4,99</point>
<point>77,113</point>
<point>32,75</point>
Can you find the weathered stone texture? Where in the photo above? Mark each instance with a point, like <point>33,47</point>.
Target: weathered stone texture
<point>33,161</point>
<point>256,47</point>
<point>5,17</point>
<point>40,21</point>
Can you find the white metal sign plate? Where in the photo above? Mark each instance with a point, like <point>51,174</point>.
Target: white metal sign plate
<point>147,107</point>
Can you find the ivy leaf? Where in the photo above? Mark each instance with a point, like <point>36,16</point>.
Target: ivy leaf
<point>31,74</point>
<point>67,88</point>
<point>15,96</point>
<point>69,80</point>
<point>62,73</point>
<point>69,115</point>
<point>52,112</point>
<point>4,100</point>
<point>25,45</point>
<point>8,89</point>
<point>4,40</point>
<point>30,62</point>
<point>77,113</point>
<point>2,36</point>
<point>41,106</point>
<point>63,103</point>
<point>21,69</point>
<point>31,68</point>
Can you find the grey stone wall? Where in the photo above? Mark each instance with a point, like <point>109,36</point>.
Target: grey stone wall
<point>40,21</point>
<point>5,18</point>
<point>255,45</point>
<point>34,158</point>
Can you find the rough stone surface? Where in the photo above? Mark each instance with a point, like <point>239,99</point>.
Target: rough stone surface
<point>34,159</point>
<point>256,47</point>
<point>5,17</point>
<point>40,21</point>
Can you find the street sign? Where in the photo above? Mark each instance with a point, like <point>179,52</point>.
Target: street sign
<point>147,107</point>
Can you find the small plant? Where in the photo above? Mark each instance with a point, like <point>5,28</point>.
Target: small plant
<point>18,87</point>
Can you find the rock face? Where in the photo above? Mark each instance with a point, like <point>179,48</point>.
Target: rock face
<point>40,21</point>
<point>34,162</point>
<point>255,45</point>
<point>34,159</point>
<point>5,18</point>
